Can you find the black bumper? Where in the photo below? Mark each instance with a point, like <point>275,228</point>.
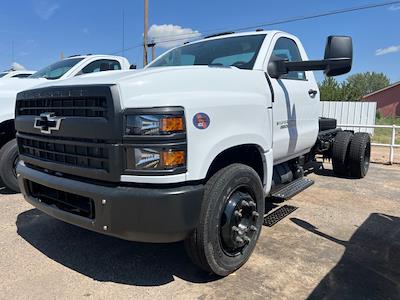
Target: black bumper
<point>137,214</point>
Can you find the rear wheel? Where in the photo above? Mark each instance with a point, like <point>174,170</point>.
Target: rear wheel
<point>340,152</point>
<point>8,162</point>
<point>230,220</point>
<point>359,154</point>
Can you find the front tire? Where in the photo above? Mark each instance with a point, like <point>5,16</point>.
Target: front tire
<point>8,162</point>
<point>230,220</point>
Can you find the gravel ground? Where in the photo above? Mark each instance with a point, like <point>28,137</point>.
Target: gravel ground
<point>343,242</point>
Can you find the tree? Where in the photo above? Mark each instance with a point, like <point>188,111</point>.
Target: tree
<point>330,89</point>
<point>354,87</point>
<point>366,83</point>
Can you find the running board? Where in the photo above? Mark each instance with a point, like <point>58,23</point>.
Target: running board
<point>292,189</point>
<point>279,214</point>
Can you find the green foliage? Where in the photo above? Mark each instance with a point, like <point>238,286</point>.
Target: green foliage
<point>354,87</point>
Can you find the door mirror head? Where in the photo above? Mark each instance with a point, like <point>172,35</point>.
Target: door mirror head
<point>339,55</point>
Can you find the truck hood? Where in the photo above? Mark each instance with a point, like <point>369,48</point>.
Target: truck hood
<point>9,88</point>
<point>19,84</point>
<point>154,86</point>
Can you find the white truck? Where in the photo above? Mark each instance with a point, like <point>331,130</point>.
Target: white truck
<point>190,148</point>
<point>16,74</point>
<point>67,68</point>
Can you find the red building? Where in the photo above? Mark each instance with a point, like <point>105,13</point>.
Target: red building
<point>388,100</point>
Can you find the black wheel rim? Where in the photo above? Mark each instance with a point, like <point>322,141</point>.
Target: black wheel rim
<point>14,166</point>
<point>367,155</point>
<point>238,227</point>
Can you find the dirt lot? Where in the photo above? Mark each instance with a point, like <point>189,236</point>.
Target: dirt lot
<point>381,155</point>
<point>342,243</point>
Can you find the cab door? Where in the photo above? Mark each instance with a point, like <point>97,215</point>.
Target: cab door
<point>295,109</point>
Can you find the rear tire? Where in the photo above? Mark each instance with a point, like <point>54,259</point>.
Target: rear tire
<point>340,152</point>
<point>8,162</point>
<point>359,154</point>
<point>230,220</point>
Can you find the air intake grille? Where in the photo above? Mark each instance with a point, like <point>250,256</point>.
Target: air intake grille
<point>75,204</point>
<point>93,156</point>
<point>64,107</point>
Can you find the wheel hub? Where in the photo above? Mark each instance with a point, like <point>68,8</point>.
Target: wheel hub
<point>238,223</point>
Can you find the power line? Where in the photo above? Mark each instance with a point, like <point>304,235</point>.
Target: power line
<point>276,22</point>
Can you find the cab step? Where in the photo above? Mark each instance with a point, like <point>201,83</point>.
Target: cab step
<point>292,189</point>
<point>279,214</point>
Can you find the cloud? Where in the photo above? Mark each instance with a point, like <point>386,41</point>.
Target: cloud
<point>394,7</point>
<point>169,36</point>
<point>17,67</point>
<point>45,9</point>
<point>387,50</point>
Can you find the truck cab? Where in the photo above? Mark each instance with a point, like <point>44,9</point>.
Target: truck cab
<point>189,148</point>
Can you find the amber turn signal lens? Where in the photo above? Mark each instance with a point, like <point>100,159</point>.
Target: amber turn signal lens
<point>172,159</point>
<point>172,124</point>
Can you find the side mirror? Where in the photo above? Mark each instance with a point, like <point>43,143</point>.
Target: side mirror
<point>338,60</point>
<point>339,55</point>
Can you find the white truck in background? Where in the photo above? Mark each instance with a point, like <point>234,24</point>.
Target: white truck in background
<point>16,74</point>
<point>70,67</point>
<point>190,147</point>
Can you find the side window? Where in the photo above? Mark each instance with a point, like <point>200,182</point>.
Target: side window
<point>100,66</point>
<point>287,49</point>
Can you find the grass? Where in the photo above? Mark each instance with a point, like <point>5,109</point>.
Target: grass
<point>384,135</point>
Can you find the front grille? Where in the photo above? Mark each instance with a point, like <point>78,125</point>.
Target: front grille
<point>74,204</point>
<point>84,155</point>
<point>77,106</point>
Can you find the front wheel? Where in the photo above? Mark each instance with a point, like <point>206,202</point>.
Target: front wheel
<point>230,220</point>
<point>8,162</point>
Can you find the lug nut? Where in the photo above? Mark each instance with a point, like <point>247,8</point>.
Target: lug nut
<point>252,204</point>
<point>247,239</point>
<point>239,239</point>
<point>235,229</point>
<point>245,203</point>
<point>238,214</point>
<point>253,228</point>
<point>255,214</point>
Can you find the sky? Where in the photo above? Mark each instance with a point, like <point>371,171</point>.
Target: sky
<point>38,31</point>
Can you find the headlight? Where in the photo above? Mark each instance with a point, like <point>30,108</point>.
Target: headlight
<point>142,159</point>
<point>154,124</point>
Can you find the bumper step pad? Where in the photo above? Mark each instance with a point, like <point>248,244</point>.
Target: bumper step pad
<point>278,215</point>
<point>292,189</point>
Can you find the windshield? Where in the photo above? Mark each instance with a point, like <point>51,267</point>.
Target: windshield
<point>56,70</point>
<point>3,74</point>
<point>240,52</point>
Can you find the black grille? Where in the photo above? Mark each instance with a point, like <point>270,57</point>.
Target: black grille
<point>93,156</point>
<point>75,204</point>
<point>76,106</point>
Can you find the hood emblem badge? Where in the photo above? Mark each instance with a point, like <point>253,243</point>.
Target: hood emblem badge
<point>47,122</point>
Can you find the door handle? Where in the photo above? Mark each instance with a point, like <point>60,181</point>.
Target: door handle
<point>312,93</point>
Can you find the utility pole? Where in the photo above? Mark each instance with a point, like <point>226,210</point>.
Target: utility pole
<point>152,45</point>
<point>123,32</point>
<point>62,55</point>
<point>146,30</point>
<point>12,52</point>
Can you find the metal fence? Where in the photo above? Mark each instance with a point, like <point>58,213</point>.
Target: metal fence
<point>346,112</point>
<point>392,144</point>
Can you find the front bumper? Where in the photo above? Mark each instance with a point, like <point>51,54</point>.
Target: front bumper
<point>158,215</point>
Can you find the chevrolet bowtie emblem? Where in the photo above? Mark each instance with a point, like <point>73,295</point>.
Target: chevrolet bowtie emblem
<point>47,122</point>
